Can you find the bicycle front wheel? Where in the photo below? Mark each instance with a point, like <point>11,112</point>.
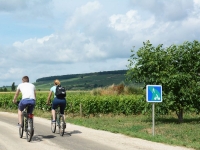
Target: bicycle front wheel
<point>53,125</point>
<point>30,130</point>
<point>62,125</point>
<point>21,129</point>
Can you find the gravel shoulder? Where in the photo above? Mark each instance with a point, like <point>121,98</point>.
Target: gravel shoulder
<point>116,141</point>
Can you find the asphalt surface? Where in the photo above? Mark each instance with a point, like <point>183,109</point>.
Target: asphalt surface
<point>43,135</point>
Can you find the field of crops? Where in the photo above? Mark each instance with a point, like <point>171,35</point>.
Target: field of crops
<point>83,103</point>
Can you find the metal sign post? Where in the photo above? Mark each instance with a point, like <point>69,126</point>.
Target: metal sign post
<point>153,119</point>
<point>153,95</point>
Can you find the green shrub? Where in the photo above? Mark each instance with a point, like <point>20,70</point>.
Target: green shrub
<point>90,104</point>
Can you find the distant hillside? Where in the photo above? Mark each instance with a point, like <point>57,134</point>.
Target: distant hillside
<point>85,81</point>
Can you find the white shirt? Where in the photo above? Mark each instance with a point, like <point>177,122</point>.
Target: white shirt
<point>27,90</point>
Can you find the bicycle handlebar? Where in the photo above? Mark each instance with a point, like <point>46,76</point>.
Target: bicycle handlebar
<point>17,102</point>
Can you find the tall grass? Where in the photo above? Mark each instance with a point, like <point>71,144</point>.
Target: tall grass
<point>117,90</point>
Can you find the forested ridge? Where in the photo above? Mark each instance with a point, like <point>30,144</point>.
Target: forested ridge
<point>85,81</point>
<point>70,76</point>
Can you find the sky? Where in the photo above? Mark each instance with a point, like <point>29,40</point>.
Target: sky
<point>42,38</point>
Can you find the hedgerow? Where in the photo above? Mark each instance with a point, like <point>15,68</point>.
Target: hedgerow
<point>86,103</point>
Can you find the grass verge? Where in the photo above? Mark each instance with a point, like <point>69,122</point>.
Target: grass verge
<point>167,130</point>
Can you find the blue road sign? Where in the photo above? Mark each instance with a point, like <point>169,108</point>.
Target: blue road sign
<point>154,93</point>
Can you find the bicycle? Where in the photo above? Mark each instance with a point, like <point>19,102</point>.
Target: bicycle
<point>60,122</point>
<point>27,124</point>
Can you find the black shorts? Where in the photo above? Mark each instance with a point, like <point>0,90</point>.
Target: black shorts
<point>59,102</point>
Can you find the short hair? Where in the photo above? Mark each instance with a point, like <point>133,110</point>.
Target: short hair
<point>25,79</point>
<point>56,82</point>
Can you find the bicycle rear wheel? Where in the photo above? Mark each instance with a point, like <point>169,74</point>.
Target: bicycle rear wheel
<point>21,129</point>
<point>62,125</point>
<point>30,130</point>
<point>53,125</point>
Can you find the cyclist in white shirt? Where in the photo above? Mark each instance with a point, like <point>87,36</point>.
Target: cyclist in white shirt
<point>28,97</point>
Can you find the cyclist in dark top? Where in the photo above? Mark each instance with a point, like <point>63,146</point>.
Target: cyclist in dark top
<point>56,101</point>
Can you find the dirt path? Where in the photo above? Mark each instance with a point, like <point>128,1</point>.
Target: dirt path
<point>76,137</point>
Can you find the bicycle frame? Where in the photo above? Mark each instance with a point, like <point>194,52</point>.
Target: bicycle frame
<point>27,124</point>
<point>60,122</point>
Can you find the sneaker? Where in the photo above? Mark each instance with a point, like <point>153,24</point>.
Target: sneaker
<point>64,125</point>
<point>29,129</point>
<point>19,125</point>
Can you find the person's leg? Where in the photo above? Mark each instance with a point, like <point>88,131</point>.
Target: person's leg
<point>20,116</point>
<point>62,107</point>
<point>54,106</point>
<point>53,112</point>
<point>21,107</point>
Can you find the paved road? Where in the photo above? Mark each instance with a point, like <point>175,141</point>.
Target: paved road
<point>75,138</point>
<point>43,137</point>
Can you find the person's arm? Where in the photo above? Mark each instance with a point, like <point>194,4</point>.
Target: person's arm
<point>35,94</point>
<point>16,95</point>
<point>49,97</point>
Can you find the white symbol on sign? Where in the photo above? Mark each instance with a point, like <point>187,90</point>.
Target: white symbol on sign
<point>155,94</point>
<point>156,97</point>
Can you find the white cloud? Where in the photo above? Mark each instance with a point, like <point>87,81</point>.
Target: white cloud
<point>169,10</point>
<point>89,8</point>
<point>14,71</point>
<point>92,51</point>
<point>58,48</point>
<point>10,75</point>
<point>12,5</point>
<point>2,62</point>
<point>131,21</point>
<point>196,11</point>
<point>45,39</point>
<point>27,10</point>
<point>83,16</point>
<point>86,36</point>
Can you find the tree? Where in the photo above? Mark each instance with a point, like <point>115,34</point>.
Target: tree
<point>5,89</point>
<point>13,86</point>
<point>176,68</point>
